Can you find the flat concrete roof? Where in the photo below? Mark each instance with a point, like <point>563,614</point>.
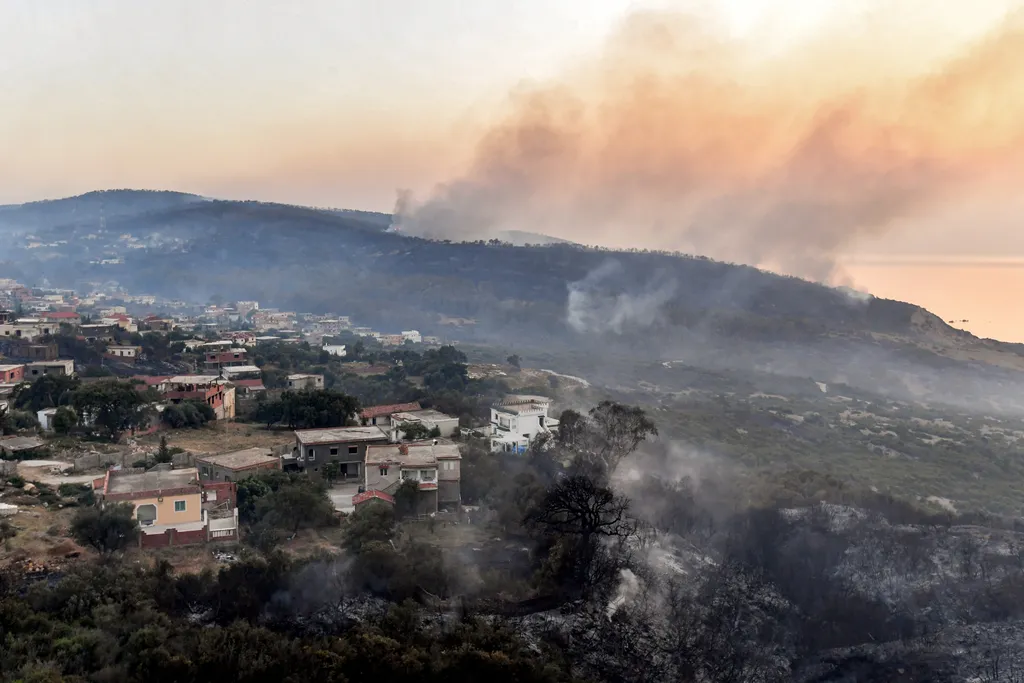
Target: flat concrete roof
<point>420,453</point>
<point>194,379</point>
<point>20,443</point>
<point>340,435</point>
<point>154,480</point>
<point>8,368</point>
<point>238,460</point>
<point>238,369</point>
<point>512,399</point>
<point>521,408</point>
<point>423,415</point>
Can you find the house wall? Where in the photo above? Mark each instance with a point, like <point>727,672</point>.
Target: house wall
<point>426,502</point>
<point>171,537</point>
<point>165,514</point>
<point>229,403</point>
<point>226,358</point>
<point>11,376</point>
<point>449,493</point>
<point>322,455</point>
<point>27,332</point>
<point>375,481</point>
<point>448,427</point>
<point>49,368</point>
<point>315,382</point>
<point>219,491</point>
<point>449,469</point>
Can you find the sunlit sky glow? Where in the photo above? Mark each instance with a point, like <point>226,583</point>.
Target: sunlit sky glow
<point>341,102</point>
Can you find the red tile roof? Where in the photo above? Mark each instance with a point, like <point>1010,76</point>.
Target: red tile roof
<point>249,383</point>
<point>60,315</point>
<point>377,411</point>
<point>370,495</point>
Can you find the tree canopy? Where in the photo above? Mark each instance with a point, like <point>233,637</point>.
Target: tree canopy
<point>113,407</point>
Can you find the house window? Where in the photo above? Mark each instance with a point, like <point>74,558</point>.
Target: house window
<point>352,450</point>
<point>179,506</point>
<point>334,451</point>
<point>312,454</point>
<point>383,470</point>
<point>427,475</point>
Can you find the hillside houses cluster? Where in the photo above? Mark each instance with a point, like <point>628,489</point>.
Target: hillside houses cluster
<point>29,316</point>
<point>364,464</point>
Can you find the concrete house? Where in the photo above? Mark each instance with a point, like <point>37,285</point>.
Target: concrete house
<point>28,329</point>
<point>124,353</point>
<point>215,360</point>
<point>12,374</point>
<point>430,419</point>
<point>207,388</point>
<point>315,448</point>
<point>516,420</point>
<point>49,367</point>
<point>381,415</point>
<point>299,382</point>
<point>173,507</point>
<point>434,465</point>
<point>62,317</point>
<point>94,332</point>
<point>236,465</point>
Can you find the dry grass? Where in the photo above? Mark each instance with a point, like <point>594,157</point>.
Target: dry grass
<point>220,437</point>
<point>444,534</point>
<point>42,536</point>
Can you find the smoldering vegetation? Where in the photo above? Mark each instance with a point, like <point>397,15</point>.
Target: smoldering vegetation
<point>606,553</point>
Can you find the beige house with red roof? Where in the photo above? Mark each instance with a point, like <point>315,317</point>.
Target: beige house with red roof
<point>173,507</point>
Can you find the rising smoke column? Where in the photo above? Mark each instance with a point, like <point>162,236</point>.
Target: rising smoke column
<point>675,137</point>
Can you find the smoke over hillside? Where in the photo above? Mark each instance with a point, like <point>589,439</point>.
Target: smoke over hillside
<point>676,137</point>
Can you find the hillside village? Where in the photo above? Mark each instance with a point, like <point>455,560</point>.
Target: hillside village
<point>190,366</point>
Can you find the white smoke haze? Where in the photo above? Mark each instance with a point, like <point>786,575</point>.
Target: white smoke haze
<point>677,136</point>
<point>628,590</point>
<point>601,302</point>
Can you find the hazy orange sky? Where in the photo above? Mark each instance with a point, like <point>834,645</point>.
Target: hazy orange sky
<point>808,136</point>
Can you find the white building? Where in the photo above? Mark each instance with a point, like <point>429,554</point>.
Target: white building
<point>28,329</point>
<point>335,349</point>
<point>45,417</point>
<point>446,424</point>
<point>412,336</point>
<point>126,352</point>
<point>517,419</point>
<point>298,382</point>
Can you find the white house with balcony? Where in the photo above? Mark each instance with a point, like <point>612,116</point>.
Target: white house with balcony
<point>516,420</point>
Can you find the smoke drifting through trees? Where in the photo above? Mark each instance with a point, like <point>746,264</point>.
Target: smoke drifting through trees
<point>677,138</point>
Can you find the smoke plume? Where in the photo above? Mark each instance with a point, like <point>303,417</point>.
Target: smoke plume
<point>675,137</point>
<point>604,301</point>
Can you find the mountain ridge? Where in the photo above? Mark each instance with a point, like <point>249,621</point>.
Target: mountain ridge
<point>568,297</point>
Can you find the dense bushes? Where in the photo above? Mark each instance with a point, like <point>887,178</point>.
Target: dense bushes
<point>110,622</point>
<point>192,414</point>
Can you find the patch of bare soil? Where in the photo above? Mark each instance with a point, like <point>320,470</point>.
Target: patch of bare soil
<point>42,539</point>
<point>220,437</point>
